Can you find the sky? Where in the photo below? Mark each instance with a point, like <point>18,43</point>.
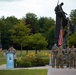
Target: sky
<point>41,8</point>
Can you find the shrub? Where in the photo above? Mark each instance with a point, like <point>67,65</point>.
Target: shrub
<point>19,63</point>
<point>27,64</point>
<point>24,63</point>
<point>44,54</point>
<point>46,60</point>
<point>37,61</point>
<point>32,60</point>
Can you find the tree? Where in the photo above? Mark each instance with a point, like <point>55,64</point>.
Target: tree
<point>45,23</point>
<point>5,25</point>
<point>38,42</point>
<point>33,21</point>
<point>72,40</point>
<point>73,16</point>
<point>51,36</point>
<point>2,32</point>
<point>20,34</point>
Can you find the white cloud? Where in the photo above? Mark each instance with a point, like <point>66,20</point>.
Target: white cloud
<point>19,8</point>
<point>8,0</point>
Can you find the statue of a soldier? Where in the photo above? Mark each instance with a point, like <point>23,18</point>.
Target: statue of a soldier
<point>59,11</point>
<point>60,20</point>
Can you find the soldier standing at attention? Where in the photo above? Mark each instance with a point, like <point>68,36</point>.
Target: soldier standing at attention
<point>72,57</point>
<point>54,55</point>
<point>75,59</point>
<point>67,51</point>
<point>60,57</point>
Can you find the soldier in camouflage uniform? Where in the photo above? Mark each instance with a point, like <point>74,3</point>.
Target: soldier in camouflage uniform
<point>75,59</point>
<point>54,55</point>
<point>60,57</point>
<point>72,62</point>
<point>67,56</point>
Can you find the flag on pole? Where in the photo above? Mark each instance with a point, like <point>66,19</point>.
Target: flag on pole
<point>60,41</point>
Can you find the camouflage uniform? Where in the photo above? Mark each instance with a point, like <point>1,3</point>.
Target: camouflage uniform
<point>60,57</point>
<point>54,55</point>
<point>72,62</point>
<point>75,60</point>
<point>67,56</point>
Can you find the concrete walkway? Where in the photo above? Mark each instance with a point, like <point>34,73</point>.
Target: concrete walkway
<point>65,71</point>
<point>51,71</point>
<point>3,67</point>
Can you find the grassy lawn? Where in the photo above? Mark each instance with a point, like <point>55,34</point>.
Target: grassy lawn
<point>31,51</point>
<point>2,58</point>
<point>24,72</point>
<point>2,61</point>
<point>1,54</point>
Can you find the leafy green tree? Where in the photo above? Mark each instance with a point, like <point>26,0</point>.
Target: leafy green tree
<point>73,16</point>
<point>72,40</point>
<point>20,34</point>
<point>45,23</point>
<point>42,25</point>
<point>38,42</point>
<point>32,19</point>
<point>50,36</point>
<point>2,31</point>
<point>5,25</point>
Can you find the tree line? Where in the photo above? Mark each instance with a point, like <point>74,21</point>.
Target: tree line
<point>31,32</point>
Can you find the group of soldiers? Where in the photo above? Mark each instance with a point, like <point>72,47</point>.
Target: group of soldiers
<point>63,57</point>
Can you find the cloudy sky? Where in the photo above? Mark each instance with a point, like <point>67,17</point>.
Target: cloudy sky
<point>19,8</point>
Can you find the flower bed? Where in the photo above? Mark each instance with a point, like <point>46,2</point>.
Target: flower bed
<point>31,60</point>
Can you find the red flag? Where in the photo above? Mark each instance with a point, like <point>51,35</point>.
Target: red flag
<point>60,41</point>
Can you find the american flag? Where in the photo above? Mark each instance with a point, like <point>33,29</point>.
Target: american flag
<point>60,41</point>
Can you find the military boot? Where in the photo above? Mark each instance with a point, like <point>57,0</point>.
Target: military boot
<point>57,67</point>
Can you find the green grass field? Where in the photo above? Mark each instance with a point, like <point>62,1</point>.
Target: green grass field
<point>2,61</point>
<point>1,54</point>
<point>24,72</point>
<point>2,58</point>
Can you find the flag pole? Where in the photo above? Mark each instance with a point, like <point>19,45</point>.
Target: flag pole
<point>58,2</point>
